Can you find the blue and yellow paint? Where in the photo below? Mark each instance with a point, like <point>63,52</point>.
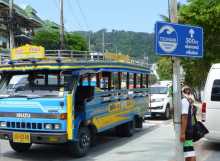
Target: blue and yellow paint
<point>117,113</point>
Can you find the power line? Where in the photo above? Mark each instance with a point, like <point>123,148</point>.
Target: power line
<point>73,14</point>
<point>56,4</point>
<point>86,23</point>
<point>82,13</point>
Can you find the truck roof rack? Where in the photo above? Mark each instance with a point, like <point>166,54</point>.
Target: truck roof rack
<point>73,56</point>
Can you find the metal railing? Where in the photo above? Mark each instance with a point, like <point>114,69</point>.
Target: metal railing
<point>77,56</point>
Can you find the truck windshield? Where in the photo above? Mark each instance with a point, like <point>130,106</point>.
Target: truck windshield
<point>158,90</point>
<point>33,84</point>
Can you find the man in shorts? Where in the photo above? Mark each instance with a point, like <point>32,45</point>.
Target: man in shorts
<point>187,141</point>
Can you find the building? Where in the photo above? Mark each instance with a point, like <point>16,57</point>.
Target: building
<point>24,23</point>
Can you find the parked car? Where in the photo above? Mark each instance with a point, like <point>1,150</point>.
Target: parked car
<point>211,104</point>
<point>161,100</point>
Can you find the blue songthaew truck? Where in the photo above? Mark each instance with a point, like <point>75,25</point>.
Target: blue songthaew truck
<point>52,97</point>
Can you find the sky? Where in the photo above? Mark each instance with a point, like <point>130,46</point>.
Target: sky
<point>128,15</point>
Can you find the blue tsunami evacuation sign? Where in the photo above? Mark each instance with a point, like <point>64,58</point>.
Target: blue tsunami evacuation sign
<point>178,40</point>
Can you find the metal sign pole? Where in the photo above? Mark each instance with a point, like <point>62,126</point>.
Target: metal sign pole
<point>176,89</point>
<point>177,108</point>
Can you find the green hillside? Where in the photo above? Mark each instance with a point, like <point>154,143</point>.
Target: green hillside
<point>136,44</point>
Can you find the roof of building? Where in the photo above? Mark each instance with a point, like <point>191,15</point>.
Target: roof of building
<point>28,13</point>
<point>32,14</point>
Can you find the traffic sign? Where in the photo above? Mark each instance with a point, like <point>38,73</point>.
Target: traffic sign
<point>178,40</point>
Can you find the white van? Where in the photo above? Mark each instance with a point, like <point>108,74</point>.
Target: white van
<point>211,104</point>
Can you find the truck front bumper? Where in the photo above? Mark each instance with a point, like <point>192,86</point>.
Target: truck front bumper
<point>36,137</point>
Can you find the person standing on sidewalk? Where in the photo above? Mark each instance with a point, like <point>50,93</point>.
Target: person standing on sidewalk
<point>186,124</point>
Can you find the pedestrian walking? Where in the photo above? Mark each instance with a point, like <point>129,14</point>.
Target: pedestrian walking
<point>186,136</point>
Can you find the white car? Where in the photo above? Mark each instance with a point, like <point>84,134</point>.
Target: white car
<point>211,104</point>
<point>160,101</point>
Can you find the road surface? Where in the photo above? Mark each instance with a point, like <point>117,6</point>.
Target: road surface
<point>143,146</point>
<point>207,151</point>
<point>154,143</point>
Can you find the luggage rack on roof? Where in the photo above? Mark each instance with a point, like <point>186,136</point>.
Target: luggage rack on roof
<point>67,56</point>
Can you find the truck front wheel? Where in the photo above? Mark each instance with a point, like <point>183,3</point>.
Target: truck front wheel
<point>81,147</point>
<point>20,147</point>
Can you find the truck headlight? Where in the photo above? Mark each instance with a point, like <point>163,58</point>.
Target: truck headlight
<point>48,126</point>
<point>57,126</point>
<point>3,124</point>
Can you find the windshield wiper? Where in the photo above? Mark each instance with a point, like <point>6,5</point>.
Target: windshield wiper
<point>4,96</point>
<point>26,96</point>
<point>33,96</point>
<point>18,96</point>
<point>21,96</point>
<point>50,96</point>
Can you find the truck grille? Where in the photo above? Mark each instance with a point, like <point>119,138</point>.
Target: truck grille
<point>24,125</point>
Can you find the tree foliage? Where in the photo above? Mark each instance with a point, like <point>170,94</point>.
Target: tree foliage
<point>164,68</point>
<point>152,79</point>
<point>205,13</point>
<point>75,41</point>
<point>48,37</point>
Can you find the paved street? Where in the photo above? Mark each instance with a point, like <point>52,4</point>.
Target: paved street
<point>143,146</point>
<point>154,142</point>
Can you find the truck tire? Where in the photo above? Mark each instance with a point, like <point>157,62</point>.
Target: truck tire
<point>126,130</point>
<point>139,122</point>
<point>20,147</point>
<point>81,147</point>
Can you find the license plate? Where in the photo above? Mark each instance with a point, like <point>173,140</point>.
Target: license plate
<point>20,137</point>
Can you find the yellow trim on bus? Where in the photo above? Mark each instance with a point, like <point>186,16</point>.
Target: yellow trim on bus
<point>24,68</point>
<point>69,117</point>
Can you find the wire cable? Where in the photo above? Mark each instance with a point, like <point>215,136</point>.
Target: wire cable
<point>82,13</point>
<point>73,14</point>
<point>56,4</point>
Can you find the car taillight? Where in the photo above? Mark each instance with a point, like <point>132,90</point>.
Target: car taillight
<point>203,111</point>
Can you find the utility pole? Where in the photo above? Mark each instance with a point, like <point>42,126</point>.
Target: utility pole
<point>11,32</point>
<point>62,26</point>
<point>103,42</point>
<point>169,10</point>
<point>176,89</point>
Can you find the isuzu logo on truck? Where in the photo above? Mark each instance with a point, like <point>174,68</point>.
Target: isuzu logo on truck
<point>23,115</point>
